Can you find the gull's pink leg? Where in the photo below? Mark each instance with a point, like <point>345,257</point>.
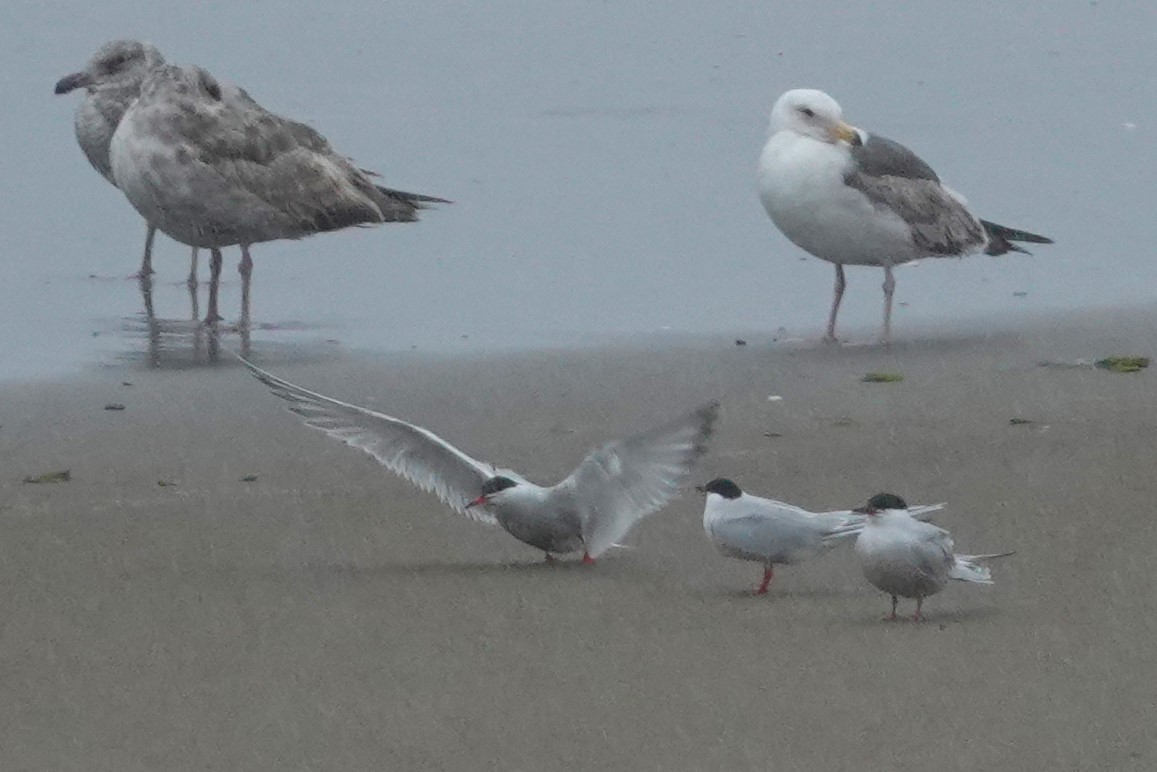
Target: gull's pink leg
<point>587,559</point>
<point>889,288</point>
<point>214,283</point>
<point>830,337</point>
<point>919,604</point>
<point>191,282</point>
<point>147,260</point>
<point>893,617</point>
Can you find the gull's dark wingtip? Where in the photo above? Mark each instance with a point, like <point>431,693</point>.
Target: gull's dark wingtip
<point>1001,238</point>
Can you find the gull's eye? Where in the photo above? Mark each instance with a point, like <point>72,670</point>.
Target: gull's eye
<point>810,113</point>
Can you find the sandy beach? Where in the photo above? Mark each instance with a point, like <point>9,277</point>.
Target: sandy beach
<point>161,612</point>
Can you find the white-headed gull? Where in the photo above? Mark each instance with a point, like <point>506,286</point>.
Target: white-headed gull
<point>112,81</point>
<point>773,532</point>
<point>210,167</point>
<point>614,487</point>
<point>854,198</point>
<point>905,557</point>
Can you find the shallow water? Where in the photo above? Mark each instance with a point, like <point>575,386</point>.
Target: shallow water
<point>602,161</point>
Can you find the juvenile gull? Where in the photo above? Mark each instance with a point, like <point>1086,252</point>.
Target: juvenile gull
<point>112,80</point>
<point>854,198</point>
<point>905,557</point>
<point>211,168</point>
<point>773,532</point>
<point>614,487</point>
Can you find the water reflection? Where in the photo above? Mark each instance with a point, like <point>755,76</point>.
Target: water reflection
<point>189,341</point>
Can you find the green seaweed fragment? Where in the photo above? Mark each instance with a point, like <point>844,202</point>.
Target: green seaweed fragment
<point>63,475</point>
<point>882,378</point>
<point>1123,364</point>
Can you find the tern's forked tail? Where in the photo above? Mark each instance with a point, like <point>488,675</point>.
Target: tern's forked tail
<point>968,568</point>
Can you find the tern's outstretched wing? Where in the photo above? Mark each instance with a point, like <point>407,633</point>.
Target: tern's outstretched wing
<point>621,482</point>
<point>416,454</point>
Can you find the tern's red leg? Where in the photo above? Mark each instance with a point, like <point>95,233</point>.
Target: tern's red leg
<point>587,559</point>
<point>768,573</point>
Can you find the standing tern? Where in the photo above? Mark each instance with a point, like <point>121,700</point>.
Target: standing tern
<point>854,198</point>
<point>773,532</point>
<point>614,487</point>
<point>903,556</point>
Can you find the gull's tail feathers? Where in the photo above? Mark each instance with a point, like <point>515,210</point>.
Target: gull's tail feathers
<point>400,206</point>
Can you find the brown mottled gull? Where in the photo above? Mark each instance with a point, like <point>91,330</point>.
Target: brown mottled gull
<point>210,167</point>
<point>112,80</point>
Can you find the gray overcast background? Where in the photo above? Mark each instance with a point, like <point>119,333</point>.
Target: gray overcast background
<point>602,160</point>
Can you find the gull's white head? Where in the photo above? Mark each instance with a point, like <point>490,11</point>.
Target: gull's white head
<point>814,114</point>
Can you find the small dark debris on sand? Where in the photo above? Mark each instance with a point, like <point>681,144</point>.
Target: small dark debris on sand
<point>114,406</point>
<point>1020,421</point>
<point>249,478</point>
<point>882,378</point>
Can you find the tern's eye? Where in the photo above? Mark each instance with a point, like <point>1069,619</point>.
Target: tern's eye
<point>810,113</point>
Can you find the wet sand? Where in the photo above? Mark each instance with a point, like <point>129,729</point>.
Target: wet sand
<point>328,616</point>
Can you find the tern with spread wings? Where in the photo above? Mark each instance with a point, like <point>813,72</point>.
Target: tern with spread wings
<point>614,487</point>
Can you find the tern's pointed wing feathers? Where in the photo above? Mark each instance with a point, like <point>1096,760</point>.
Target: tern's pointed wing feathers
<point>623,481</point>
<point>412,452</point>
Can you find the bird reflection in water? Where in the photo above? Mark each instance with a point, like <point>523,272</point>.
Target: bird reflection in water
<point>190,341</point>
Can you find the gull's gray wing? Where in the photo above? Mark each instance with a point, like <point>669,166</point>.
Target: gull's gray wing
<point>623,481</point>
<point>895,179</point>
<point>883,157</point>
<point>410,451</point>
